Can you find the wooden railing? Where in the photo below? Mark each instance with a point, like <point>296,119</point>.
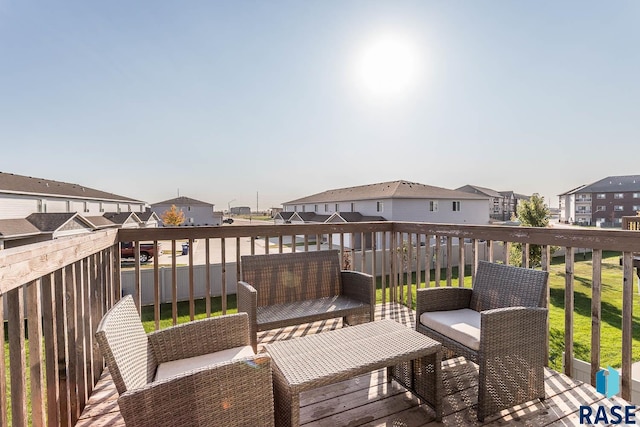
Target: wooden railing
<point>70,283</point>
<point>59,290</point>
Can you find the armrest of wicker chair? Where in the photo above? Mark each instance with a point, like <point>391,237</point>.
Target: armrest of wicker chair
<point>442,299</point>
<point>247,297</point>
<point>514,330</point>
<point>200,337</point>
<point>235,393</point>
<point>359,286</point>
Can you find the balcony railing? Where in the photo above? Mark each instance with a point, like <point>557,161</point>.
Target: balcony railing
<point>60,289</point>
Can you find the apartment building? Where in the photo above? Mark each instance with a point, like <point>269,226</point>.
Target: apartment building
<point>602,203</point>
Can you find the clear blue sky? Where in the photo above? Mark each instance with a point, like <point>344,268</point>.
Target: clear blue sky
<point>223,100</point>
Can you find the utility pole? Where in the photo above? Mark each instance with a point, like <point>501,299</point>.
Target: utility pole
<point>257,210</point>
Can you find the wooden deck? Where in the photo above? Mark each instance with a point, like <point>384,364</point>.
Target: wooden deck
<point>369,400</point>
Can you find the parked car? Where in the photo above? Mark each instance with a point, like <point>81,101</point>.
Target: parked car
<point>147,251</point>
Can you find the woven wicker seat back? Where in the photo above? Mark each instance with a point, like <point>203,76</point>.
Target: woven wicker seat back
<point>498,286</point>
<point>125,346</point>
<point>292,277</point>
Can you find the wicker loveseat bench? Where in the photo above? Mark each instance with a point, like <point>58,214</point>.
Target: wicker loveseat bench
<point>279,290</point>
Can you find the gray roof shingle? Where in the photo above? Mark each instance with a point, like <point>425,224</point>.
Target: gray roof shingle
<point>613,184</point>
<point>21,184</point>
<point>183,201</point>
<point>386,190</point>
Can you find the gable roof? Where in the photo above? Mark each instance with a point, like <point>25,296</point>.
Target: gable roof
<point>613,184</point>
<point>183,201</point>
<point>19,184</point>
<point>121,217</point>
<point>147,215</point>
<point>385,190</point>
<point>50,222</point>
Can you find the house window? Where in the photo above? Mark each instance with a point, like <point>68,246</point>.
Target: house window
<point>456,206</point>
<point>337,207</point>
<point>618,208</point>
<point>295,208</point>
<point>636,195</point>
<point>85,206</point>
<point>379,207</point>
<point>618,196</point>
<point>601,208</point>
<point>353,207</point>
<point>636,208</point>
<point>433,206</point>
<point>315,208</point>
<point>102,207</point>
<point>68,205</point>
<point>601,196</point>
<point>42,206</point>
<point>304,208</point>
<point>326,207</point>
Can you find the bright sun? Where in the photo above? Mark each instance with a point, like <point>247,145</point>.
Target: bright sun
<point>388,67</point>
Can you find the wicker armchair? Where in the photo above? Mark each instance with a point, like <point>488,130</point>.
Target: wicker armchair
<point>500,324</point>
<point>201,373</point>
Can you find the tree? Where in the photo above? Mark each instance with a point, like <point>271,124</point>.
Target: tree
<point>172,216</point>
<point>531,213</point>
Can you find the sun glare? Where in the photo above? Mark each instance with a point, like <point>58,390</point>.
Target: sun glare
<point>387,67</point>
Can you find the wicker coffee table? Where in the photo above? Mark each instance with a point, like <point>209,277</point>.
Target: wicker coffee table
<point>313,361</point>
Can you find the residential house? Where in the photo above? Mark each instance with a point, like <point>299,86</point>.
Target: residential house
<point>38,209</point>
<point>196,212</point>
<point>390,201</point>
<point>602,203</point>
<point>502,204</point>
<point>398,201</point>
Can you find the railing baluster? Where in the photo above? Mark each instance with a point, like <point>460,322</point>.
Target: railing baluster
<point>207,291</point>
<point>34,324</point>
<point>627,323</point>
<point>596,312</point>
<point>427,261</point>
<point>17,357</point>
<point>174,284</point>
<point>192,302</point>
<point>3,370</point>
<point>461,263</point>
<point>568,312</point>
<point>51,348</point>
<point>60,307</point>
<point>156,281</point>
<point>449,260</point>
<point>70,317</point>
<point>223,265</point>
<point>383,267</point>
<point>438,265</point>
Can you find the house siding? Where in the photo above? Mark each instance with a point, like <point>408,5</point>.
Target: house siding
<point>194,215</point>
<point>474,211</point>
<point>14,206</point>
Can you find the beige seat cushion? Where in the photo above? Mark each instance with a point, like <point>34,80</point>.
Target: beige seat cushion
<point>459,325</point>
<point>176,367</point>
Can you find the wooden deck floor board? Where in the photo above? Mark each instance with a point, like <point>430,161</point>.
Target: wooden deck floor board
<point>369,400</point>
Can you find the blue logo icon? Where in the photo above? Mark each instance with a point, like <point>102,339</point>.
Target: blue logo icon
<point>608,382</point>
